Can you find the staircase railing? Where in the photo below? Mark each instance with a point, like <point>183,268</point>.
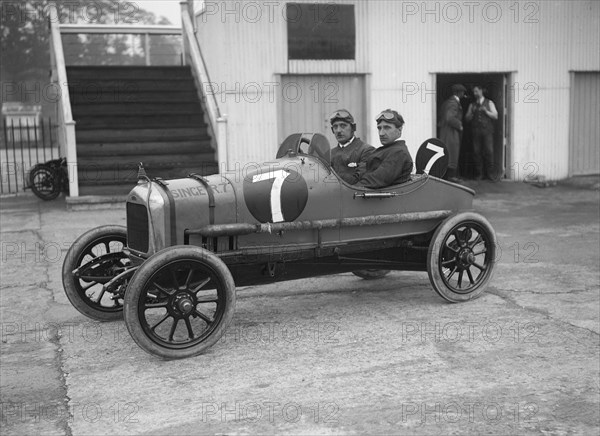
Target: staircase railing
<point>66,125</point>
<point>217,121</point>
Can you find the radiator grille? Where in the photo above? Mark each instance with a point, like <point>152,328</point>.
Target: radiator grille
<point>137,227</point>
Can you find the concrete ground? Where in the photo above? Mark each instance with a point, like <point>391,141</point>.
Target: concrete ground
<point>329,355</point>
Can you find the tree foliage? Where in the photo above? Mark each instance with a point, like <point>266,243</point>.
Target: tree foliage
<point>24,31</point>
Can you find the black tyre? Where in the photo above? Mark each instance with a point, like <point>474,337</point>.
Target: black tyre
<point>45,182</point>
<point>98,256</point>
<point>371,274</point>
<point>461,257</point>
<point>179,302</point>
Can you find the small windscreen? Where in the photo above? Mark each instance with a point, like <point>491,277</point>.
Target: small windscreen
<point>313,144</point>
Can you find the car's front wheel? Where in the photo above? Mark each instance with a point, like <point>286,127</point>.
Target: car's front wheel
<point>461,257</point>
<point>179,302</point>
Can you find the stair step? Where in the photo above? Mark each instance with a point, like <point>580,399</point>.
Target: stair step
<point>142,135</point>
<point>135,97</point>
<point>157,161</point>
<point>132,114</point>
<point>126,149</point>
<point>139,121</point>
<point>127,108</point>
<point>127,72</point>
<point>91,177</point>
<point>110,190</point>
<point>123,187</point>
<point>94,86</point>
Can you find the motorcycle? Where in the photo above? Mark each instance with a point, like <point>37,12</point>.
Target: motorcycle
<point>47,180</point>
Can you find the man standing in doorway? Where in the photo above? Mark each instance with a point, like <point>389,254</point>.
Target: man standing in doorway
<point>451,128</point>
<point>482,112</point>
<point>349,158</point>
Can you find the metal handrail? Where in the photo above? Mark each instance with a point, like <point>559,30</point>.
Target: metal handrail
<point>217,121</point>
<point>121,29</point>
<point>198,64</point>
<point>66,125</point>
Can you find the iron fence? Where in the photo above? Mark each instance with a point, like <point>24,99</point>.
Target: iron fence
<point>24,144</point>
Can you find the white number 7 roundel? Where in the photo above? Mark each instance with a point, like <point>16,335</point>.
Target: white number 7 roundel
<point>279,176</point>
<point>439,152</point>
<point>432,158</point>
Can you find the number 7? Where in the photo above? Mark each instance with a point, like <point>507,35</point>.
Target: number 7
<point>439,152</point>
<point>279,176</point>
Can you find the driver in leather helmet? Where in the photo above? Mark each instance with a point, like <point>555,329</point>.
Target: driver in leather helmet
<point>391,163</point>
<point>349,157</point>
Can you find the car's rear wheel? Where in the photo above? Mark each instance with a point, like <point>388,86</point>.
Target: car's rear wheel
<point>461,257</point>
<point>371,274</point>
<point>179,302</point>
<point>95,258</point>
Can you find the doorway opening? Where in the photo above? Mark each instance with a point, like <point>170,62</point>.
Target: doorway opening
<point>495,89</point>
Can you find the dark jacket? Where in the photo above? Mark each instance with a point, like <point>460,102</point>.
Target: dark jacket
<point>350,162</point>
<point>388,165</point>
<point>450,125</point>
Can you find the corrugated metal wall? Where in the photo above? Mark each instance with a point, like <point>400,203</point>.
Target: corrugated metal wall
<point>402,46</point>
<point>318,96</point>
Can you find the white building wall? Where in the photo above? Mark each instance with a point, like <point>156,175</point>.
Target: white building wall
<point>403,45</point>
<point>242,49</point>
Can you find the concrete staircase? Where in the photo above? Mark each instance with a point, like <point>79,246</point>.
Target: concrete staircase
<point>127,115</point>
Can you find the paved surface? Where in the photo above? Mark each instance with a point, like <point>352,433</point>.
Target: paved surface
<point>331,355</point>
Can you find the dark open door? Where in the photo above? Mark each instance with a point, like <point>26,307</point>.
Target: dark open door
<point>495,90</point>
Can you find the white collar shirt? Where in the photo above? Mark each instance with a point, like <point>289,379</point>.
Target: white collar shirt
<point>347,143</point>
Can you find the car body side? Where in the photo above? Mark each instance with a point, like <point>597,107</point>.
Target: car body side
<point>182,205</point>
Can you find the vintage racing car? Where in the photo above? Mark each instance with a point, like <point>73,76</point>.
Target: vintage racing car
<point>173,271</point>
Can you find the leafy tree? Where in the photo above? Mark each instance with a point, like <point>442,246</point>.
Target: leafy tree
<point>24,47</point>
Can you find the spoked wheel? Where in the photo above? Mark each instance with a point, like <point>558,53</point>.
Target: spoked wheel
<point>94,259</point>
<point>179,302</point>
<point>44,182</point>
<point>371,274</point>
<point>461,257</point>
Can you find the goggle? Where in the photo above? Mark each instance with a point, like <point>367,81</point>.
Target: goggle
<point>343,115</point>
<point>386,115</point>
